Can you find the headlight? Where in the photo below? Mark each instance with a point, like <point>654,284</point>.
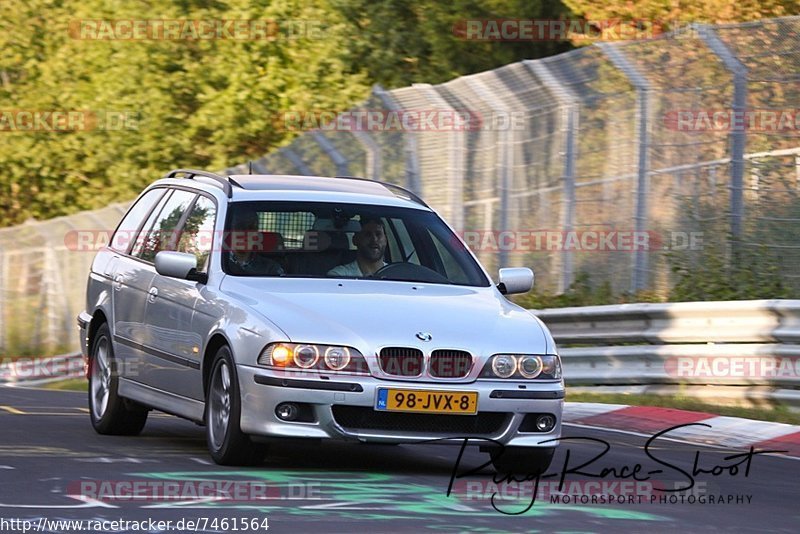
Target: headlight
<point>530,366</point>
<point>306,357</point>
<point>504,365</point>
<point>523,366</point>
<point>337,358</point>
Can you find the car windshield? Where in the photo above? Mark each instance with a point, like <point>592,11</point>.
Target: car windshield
<point>330,240</point>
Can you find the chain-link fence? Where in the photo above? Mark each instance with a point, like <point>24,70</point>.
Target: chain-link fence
<point>611,160</point>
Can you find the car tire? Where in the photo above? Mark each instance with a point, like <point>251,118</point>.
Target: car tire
<point>110,413</point>
<point>227,444</point>
<point>522,460</point>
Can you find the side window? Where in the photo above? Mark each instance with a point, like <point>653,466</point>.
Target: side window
<point>126,232</point>
<point>161,234</point>
<point>197,231</point>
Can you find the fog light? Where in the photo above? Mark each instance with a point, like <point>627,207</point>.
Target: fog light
<point>545,423</point>
<point>287,411</point>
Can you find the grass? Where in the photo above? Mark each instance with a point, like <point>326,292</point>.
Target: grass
<point>71,384</point>
<point>775,413</point>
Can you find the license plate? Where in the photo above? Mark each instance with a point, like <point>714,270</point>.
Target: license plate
<point>405,400</point>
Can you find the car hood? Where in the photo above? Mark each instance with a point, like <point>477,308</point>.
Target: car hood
<point>369,314</point>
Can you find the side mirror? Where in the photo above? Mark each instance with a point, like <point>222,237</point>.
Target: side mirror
<point>515,280</point>
<point>178,265</point>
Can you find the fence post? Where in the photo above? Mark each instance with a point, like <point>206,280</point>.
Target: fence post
<point>570,107</point>
<point>456,156</point>
<point>504,161</point>
<point>409,140</point>
<point>374,163</point>
<point>738,135</point>
<point>642,85</point>
<point>296,160</point>
<point>338,159</point>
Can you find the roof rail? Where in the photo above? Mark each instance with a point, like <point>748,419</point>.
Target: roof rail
<point>394,188</point>
<point>223,181</point>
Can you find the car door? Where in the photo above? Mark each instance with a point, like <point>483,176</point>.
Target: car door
<point>170,308</point>
<point>130,280</point>
<point>160,234</point>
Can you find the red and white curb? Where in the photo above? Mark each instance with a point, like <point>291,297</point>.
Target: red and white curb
<point>734,432</point>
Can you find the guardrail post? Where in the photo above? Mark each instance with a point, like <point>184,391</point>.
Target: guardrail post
<point>296,160</point>
<point>410,150</point>
<point>338,159</point>
<point>570,108</point>
<point>374,163</point>
<point>642,85</point>
<point>738,135</point>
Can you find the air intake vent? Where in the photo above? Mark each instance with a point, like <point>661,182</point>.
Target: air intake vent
<point>401,361</point>
<point>450,363</point>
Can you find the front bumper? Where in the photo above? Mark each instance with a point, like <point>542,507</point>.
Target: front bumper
<point>83,328</point>
<point>84,319</point>
<point>263,389</point>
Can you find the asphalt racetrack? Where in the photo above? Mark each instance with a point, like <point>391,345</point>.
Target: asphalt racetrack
<point>54,467</point>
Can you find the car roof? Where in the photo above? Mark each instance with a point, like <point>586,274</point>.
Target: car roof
<point>286,186</point>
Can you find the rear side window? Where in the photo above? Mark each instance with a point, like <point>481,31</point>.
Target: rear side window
<point>198,230</point>
<point>161,235</point>
<point>128,228</point>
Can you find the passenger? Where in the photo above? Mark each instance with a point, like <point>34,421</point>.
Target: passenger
<point>241,258</point>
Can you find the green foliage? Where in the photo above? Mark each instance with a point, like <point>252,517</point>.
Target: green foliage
<point>209,103</point>
<point>675,12</point>
<point>583,293</point>
<point>400,42</point>
<point>754,274</point>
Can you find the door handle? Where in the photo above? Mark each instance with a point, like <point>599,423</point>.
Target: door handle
<point>152,294</point>
<point>118,282</point>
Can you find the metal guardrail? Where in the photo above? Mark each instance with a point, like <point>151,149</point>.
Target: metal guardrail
<point>746,321</point>
<point>33,371</point>
<point>746,350</point>
<point>752,347</point>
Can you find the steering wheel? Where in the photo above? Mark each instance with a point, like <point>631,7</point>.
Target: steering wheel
<point>409,272</point>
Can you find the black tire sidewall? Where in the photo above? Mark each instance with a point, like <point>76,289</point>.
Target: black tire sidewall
<point>234,439</point>
<point>104,423</point>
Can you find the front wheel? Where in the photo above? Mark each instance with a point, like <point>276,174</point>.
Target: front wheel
<point>227,443</point>
<point>110,413</point>
<point>522,460</point>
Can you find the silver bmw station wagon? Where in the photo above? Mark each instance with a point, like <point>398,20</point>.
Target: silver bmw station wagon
<point>271,307</point>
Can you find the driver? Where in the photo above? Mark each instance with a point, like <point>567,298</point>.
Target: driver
<point>370,243</point>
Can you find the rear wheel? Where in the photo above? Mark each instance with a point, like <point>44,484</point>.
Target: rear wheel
<point>227,443</point>
<point>522,460</point>
<point>110,413</point>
